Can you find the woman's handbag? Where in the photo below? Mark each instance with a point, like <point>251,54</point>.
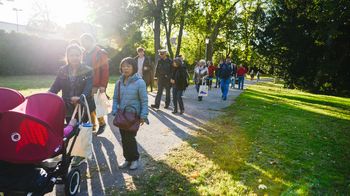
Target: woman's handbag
<point>126,119</point>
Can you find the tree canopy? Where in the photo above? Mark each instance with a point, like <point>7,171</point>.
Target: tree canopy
<point>304,42</point>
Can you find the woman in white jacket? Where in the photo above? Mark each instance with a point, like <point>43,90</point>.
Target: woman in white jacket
<point>200,73</point>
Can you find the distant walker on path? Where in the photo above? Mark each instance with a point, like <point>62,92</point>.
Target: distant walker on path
<point>163,74</point>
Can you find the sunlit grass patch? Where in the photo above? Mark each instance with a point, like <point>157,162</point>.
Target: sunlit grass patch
<point>271,141</point>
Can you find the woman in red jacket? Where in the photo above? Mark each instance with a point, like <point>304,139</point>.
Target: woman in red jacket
<point>211,69</point>
<point>240,75</point>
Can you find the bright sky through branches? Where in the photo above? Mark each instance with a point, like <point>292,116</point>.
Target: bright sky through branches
<point>59,11</point>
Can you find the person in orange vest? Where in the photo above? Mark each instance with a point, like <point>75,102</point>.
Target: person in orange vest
<point>97,59</point>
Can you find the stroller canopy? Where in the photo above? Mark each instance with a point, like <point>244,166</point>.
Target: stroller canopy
<point>9,99</point>
<point>32,131</point>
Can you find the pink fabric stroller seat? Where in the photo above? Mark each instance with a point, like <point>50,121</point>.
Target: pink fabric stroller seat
<point>9,99</point>
<point>32,131</point>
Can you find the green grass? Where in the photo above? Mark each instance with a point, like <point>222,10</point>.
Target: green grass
<point>292,142</point>
<point>28,85</point>
<point>287,141</point>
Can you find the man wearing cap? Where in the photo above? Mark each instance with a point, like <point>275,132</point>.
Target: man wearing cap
<point>145,68</point>
<point>163,74</point>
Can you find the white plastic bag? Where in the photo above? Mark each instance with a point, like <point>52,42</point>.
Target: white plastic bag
<point>83,144</point>
<point>203,90</point>
<point>102,104</point>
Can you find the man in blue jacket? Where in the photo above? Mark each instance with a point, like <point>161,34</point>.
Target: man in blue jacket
<point>225,76</point>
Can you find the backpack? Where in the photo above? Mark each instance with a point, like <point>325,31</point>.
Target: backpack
<point>225,70</point>
<point>187,77</point>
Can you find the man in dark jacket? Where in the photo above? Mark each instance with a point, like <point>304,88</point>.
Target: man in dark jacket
<point>163,74</point>
<point>145,68</point>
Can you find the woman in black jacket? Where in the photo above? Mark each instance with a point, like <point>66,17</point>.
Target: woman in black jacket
<point>179,82</point>
<point>74,79</point>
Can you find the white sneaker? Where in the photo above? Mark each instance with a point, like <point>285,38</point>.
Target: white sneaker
<point>124,165</point>
<point>134,165</point>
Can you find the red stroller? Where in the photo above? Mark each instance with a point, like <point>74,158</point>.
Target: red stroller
<point>31,131</point>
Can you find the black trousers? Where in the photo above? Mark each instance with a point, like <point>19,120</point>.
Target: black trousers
<point>129,145</point>
<point>163,83</point>
<point>177,98</point>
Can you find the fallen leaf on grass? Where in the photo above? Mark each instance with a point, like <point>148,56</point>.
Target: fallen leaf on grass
<point>262,187</point>
<point>273,162</point>
<point>194,175</point>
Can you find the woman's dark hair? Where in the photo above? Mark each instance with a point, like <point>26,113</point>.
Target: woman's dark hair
<point>178,62</point>
<point>130,61</point>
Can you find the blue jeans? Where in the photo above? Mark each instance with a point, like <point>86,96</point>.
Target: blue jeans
<point>225,84</point>
<point>177,98</point>
<point>240,82</point>
<point>210,81</point>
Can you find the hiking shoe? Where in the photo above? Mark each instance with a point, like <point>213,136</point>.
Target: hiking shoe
<point>155,106</point>
<point>125,164</point>
<point>134,165</point>
<point>101,129</point>
<point>174,112</point>
<point>76,161</point>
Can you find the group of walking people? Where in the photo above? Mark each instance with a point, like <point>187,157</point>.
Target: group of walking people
<point>171,74</point>
<point>86,72</point>
<point>225,74</point>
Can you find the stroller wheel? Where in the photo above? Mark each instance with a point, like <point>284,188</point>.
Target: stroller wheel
<point>72,183</point>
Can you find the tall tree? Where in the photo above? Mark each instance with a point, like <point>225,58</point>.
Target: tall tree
<point>307,43</point>
<point>210,17</point>
<point>168,22</point>
<point>181,26</point>
<point>153,12</point>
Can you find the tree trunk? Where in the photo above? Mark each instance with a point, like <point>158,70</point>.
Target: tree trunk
<point>157,21</point>
<point>168,19</point>
<point>182,24</point>
<point>214,34</point>
<point>168,28</point>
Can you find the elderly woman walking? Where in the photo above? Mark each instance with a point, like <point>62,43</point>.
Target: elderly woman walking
<point>200,72</point>
<point>130,92</point>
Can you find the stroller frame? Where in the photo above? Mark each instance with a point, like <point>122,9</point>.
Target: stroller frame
<point>60,173</point>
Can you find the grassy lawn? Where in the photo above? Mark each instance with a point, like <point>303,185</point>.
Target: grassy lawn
<point>272,141</point>
<point>28,85</point>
